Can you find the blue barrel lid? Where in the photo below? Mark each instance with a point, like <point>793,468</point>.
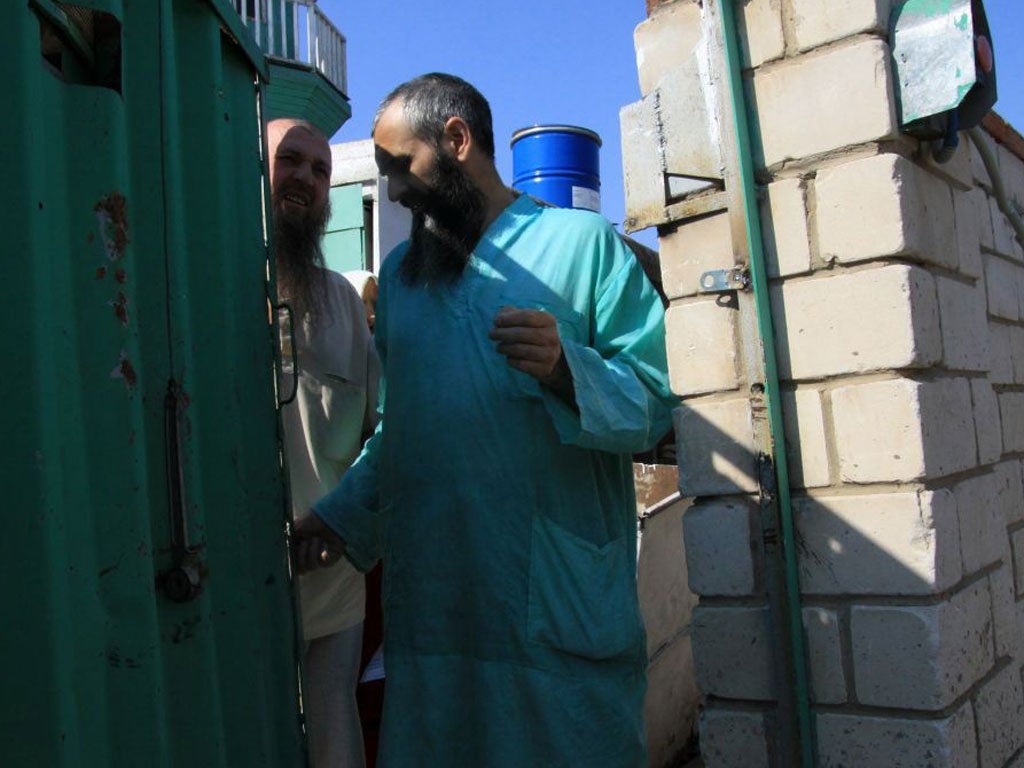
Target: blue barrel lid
<point>522,133</point>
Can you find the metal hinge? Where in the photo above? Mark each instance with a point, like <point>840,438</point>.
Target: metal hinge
<point>724,280</point>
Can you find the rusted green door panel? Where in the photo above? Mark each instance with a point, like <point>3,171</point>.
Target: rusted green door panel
<point>134,256</point>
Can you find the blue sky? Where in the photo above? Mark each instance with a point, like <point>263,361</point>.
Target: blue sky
<point>545,61</point>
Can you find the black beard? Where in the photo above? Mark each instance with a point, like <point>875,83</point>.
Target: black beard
<point>299,255</point>
<point>447,229</point>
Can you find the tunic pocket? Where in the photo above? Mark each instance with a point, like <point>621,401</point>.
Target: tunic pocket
<point>582,597</point>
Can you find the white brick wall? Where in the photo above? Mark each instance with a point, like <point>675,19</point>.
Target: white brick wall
<point>922,657</point>
<point>717,456</point>
<point>734,739</point>
<point>702,356</point>
<point>879,544</point>
<point>665,42</point>
<point>857,322</point>
<point>692,249</point>
<point>825,656</point>
<point>903,430</point>
<point>897,294</point>
<point>999,710</point>
<point>982,522</point>
<point>987,427</point>
<point>1001,285</point>
<point>853,741</point>
<point>760,32</point>
<point>885,206</point>
<point>853,101</point>
<point>964,325</point>
<point>1011,412</point>
<point>816,22</point>
<point>721,560</point>
<point>784,224</point>
<point>732,647</point>
<point>806,438</point>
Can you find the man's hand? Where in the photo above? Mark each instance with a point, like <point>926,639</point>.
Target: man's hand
<point>314,545</point>
<point>529,340</point>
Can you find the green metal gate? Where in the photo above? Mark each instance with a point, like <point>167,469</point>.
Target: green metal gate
<point>140,442</point>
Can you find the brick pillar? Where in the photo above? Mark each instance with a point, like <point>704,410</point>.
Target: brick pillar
<point>897,292</point>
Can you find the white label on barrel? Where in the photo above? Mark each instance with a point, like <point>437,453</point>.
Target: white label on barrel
<point>585,197</point>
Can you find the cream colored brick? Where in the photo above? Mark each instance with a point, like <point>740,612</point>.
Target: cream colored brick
<point>924,656</point>
<point>760,31</point>
<point>987,428</point>
<point>981,174</point>
<point>806,443</point>
<point>732,649</point>
<point>1000,349</point>
<point>983,213</point>
<point>856,322</point>
<point>666,601</point>
<point>666,41</point>
<point>671,703</point>
<point>999,710</point>
<point>717,455</point>
<point>860,741</point>
<point>1011,413</point>
<point>816,22</point>
<point>720,546</point>
<point>1012,168</point>
<point>784,224</point>
<point>824,101</point>
<point>1001,287</point>
<point>692,249</point>
<point>1010,491</point>
<point>982,522</point>
<point>885,205</point>
<point>824,656</point>
<point>1017,541</point>
<point>1009,637</point>
<point>879,544</point>
<point>643,178</point>
<point>902,430</point>
<point>968,231</point>
<point>956,171</point>
<point>701,347</point>
<point>1002,233</point>
<point>734,739</point>
<point>964,325</point>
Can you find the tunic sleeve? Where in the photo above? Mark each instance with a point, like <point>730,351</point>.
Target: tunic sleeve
<point>352,510</point>
<point>621,379</point>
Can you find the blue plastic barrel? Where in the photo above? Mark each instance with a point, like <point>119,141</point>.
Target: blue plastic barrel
<point>558,164</point>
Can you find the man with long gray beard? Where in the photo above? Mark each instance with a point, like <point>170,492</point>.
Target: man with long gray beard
<point>524,358</point>
<point>333,410</point>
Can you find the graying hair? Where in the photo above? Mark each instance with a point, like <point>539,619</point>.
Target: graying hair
<point>428,101</point>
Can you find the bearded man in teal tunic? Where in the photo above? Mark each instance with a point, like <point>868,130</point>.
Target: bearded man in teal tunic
<point>523,352</point>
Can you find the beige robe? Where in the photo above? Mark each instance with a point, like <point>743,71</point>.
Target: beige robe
<point>335,405</point>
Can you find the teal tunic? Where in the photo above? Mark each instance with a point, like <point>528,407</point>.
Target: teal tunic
<point>505,519</point>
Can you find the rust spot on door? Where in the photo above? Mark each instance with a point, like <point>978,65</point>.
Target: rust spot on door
<point>112,215</point>
<point>125,371</point>
<point>101,272</point>
<point>120,305</point>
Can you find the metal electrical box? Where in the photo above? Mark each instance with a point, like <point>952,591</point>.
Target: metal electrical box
<point>147,605</point>
<point>944,66</point>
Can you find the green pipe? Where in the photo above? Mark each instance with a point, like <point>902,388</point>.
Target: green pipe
<point>998,187</point>
<point>759,279</point>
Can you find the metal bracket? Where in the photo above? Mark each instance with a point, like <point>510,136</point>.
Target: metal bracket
<point>724,280</point>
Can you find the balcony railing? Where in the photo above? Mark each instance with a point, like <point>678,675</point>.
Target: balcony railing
<point>297,31</point>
